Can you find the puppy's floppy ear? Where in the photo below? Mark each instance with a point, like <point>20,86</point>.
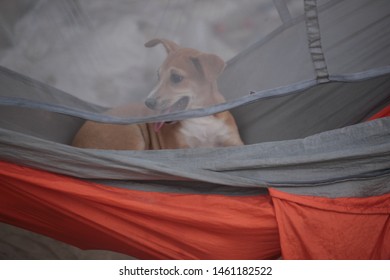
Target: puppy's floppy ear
<point>209,65</point>
<point>168,44</point>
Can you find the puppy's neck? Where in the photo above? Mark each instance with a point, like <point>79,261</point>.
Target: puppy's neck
<point>215,97</point>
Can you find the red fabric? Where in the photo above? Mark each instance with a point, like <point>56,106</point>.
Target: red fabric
<point>151,225</point>
<point>145,225</point>
<point>324,228</point>
<point>385,112</point>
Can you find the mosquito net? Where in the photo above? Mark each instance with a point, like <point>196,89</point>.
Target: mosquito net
<point>94,50</point>
<point>81,58</point>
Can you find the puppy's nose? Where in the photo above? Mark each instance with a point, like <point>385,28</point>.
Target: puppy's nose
<point>151,103</point>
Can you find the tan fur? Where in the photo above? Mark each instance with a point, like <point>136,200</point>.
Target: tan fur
<point>198,86</point>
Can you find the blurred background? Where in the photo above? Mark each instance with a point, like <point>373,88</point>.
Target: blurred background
<point>94,49</point>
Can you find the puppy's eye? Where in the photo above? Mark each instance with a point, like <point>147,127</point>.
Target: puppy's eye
<point>176,78</point>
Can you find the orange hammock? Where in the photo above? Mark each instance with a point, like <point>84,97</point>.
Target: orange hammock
<point>151,225</point>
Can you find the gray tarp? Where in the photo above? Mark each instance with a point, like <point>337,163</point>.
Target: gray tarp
<point>352,161</point>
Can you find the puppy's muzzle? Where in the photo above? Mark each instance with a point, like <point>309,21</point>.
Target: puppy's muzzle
<point>179,105</point>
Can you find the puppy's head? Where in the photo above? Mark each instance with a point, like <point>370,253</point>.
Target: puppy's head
<point>186,79</point>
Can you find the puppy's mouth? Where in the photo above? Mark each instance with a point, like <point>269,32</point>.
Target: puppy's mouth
<point>179,105</point>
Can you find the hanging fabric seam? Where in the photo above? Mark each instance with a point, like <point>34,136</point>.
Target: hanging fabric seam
<point>314,41</point>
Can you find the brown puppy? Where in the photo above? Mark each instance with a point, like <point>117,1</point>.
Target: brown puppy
<point>187,80</point>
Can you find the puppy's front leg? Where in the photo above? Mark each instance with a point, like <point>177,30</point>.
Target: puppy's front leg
<point>232,138</point>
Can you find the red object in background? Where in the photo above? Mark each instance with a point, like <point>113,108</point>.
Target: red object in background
<point>385,112</point>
